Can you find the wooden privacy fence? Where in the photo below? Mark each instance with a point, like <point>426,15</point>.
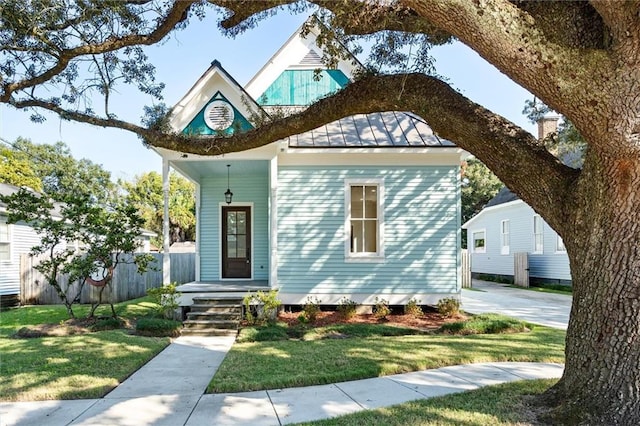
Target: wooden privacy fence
<point>126,284</point>
<point>466,269</point>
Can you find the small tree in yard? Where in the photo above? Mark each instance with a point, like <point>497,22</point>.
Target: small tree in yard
<point>65,219</point>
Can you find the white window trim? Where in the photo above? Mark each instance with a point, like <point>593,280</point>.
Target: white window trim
<point>9,242</point>
<point>558,249</point>
<point>473,241</point>
<point>363,257</point>
<point>504,249</point>
<point>541,233</point>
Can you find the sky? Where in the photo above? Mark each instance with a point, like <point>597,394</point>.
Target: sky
<point>185,55</point>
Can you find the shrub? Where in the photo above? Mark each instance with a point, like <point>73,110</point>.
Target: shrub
<point>486,324</point>
<point>158,327</point>
<point>271,332</point>
<point>381,309</point>
<point>347,308</point>
<point>311,308</point>
<point>167,299</point>
<point>107,324</point>
<point>413,308</point>
<point>261,307</point>
<point>448,307</point>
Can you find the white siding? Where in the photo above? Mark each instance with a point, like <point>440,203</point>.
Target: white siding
<point>22,239</point>
<point>549,264</point>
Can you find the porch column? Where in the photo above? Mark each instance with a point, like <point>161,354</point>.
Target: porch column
<point>273,222</point>
<point>166,240</point>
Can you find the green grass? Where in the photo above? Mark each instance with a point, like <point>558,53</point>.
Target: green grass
<point>486,324</point>
<point>288,363</point>
<point>501,405</point>
<point>71,367</point>
<point>281,331</point>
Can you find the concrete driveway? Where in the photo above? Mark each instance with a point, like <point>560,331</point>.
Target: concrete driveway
<point>547,309</point>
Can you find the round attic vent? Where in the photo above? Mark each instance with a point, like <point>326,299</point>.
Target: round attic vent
<point>218,115</point>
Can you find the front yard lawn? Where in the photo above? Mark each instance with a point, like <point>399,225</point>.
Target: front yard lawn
<point>333,358</point>
<point>70,367</point>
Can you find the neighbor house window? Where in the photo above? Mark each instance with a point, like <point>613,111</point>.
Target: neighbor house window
<point>504,237</point>
<point>5,243</point>
<point>479,241</point>
<point>363,220</point>
<point>560,248</point>
<point>538,242</point>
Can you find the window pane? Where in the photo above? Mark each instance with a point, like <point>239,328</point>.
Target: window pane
<point>357,201</point>
<point>4,232</point>
<point>505,226</point>
<point>242,246</point>
<point>4,252</point>
<point>357,236</point>
<point>560,244</point>
<point>371,202</point>
<point>231,246</point>
<point>242,222</point>
<point>231,223</point>
<point>370,236</point>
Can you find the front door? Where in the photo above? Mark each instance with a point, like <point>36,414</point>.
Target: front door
<point>236,242</point>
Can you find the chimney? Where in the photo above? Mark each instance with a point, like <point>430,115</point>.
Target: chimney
<point>547,125</point>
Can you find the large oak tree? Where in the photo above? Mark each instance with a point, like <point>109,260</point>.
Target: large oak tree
<point>580,58</point>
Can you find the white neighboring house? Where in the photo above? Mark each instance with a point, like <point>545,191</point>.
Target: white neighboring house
<point>508,225</point>
<point>15,239</point>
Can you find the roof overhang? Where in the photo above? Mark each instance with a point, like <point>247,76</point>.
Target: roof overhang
<point>489,209</point>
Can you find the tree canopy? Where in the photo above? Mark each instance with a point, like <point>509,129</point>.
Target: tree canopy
<point>580,58</point>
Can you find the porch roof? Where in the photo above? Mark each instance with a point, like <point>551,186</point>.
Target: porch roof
<point>391,129</point>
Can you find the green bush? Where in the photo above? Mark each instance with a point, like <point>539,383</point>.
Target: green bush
<point>167,299</point>
<point>271,332</point>
<point>158,327</point>
<point>486,324</point>
<point>311,308</point>
<point>261,307</point>
<point>413,308</point>
<point>381,309</point>
<point>107,324</point>
<point>448,307</point>
<point>347,308</point>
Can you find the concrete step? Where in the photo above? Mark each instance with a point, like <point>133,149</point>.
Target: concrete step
<point>218,308</point>
<point>208,332</point>
<point>217,300</point>
<point>202,324</point>
<point>208,316</point>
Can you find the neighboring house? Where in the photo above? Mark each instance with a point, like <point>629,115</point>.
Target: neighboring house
<point>508,225</point>
<point>367,206</point>
<point>15,239</point>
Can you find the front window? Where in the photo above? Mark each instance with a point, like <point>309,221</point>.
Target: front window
<point>504,237</point>
<point>479,242</point>
<point>364,219</point>
<point>5,244</point>
<point>560,245</point>
<point>538,242</point>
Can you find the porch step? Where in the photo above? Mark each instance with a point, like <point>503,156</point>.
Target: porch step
<point>211,323</point>
<point>214,315</point>
<point>217,308</point>
<point>234,315</point>
<point>209,332</point>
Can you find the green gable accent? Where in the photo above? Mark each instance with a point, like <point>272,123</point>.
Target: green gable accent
<point>302,87</point>
<point>197,126</point>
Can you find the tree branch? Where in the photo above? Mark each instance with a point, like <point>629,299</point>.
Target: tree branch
<point>176,14</point>
<point>623,20</point>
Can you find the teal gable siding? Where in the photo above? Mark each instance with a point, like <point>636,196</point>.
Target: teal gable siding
<point>302,87</point>
<point>247,188</point>
<point>197,126</point>
<point>421,231</point>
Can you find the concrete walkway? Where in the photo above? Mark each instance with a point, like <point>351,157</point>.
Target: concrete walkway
<point>548,309</point>
<point>169,389</point>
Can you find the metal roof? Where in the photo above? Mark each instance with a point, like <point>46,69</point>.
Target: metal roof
<point>392,129</point>
<point>503,196</point>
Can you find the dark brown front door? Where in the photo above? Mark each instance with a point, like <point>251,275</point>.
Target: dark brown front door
<point>236,242</point>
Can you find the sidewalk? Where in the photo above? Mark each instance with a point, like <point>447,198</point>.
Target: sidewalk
<point>169,390</point>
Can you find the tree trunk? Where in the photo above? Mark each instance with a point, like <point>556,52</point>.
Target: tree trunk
<point>601,382</point>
